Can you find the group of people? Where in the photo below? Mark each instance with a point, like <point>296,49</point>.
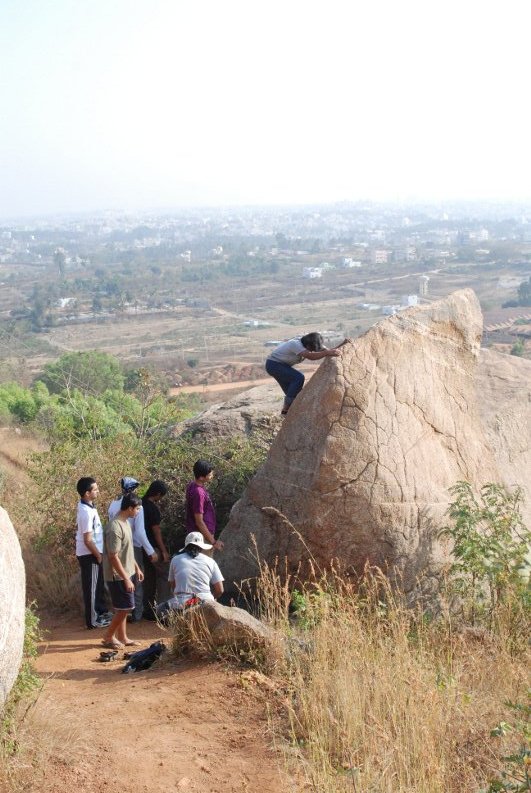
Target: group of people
<point>129,557</point>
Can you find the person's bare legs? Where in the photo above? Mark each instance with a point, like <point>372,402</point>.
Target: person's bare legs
<point>116,629</point>
<point>121,632</point>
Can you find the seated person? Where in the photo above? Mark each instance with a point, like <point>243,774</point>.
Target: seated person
<point>192,573</point>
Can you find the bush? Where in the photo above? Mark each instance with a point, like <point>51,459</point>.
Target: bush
<point>489,575</point>
<point>518,348</point>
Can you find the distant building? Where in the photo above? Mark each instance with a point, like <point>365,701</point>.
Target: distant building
<point>423,285</point>
<point>312,272</point>
<point>409,300</point>
<point>348,262</point>
<point>379,256</point>
<point>389,311</point>
<point>482,235</point>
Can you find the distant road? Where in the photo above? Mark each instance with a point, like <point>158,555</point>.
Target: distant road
<point>209,389</point>
<point>214,387</point>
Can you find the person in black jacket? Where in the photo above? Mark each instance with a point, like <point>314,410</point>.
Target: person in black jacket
<point>155,574</point>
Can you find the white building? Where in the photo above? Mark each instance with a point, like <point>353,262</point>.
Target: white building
<point>423,285</point>
<point>312,272</point>
<point>410,300</point>
<point>348,261</point>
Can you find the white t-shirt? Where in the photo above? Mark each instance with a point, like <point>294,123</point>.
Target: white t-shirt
<point>192,576</point>
<point>140,539</point>
<point>288,352</point>
<point>88,520</point>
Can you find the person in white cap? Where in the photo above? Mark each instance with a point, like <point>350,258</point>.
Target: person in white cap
<point>192,574</point>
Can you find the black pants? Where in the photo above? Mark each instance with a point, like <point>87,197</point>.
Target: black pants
<point>93,588</point>
<point>156,587</point>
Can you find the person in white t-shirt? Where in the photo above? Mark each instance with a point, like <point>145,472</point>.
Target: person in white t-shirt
<point>192,573</point>
<point>281,362</point>
<point>140,541</point>
<point>89,552</point>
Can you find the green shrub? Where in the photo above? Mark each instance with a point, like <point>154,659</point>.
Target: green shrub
<point>490,551</point>
<point>515,777</point>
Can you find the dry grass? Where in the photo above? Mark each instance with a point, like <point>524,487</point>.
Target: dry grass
<point>42,736</point>
<point>382,701</point>
<point>53,581</point>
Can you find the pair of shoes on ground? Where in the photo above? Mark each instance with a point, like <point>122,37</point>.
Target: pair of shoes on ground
<point>108,655</point>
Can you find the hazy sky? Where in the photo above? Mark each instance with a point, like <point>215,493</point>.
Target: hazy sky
<point>160,103</point>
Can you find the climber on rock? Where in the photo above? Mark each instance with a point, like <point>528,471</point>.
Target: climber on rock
<point>280,364</point>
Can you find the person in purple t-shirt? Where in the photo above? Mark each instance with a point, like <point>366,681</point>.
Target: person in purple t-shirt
<point>200,513</point>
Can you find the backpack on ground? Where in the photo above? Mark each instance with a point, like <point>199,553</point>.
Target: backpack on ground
<point>143,659</point>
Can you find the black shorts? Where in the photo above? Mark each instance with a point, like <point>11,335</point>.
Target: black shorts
<point>120,598</point>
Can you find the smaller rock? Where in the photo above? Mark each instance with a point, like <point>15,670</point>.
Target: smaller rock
<point>255,410</point>
<point>212,626</point>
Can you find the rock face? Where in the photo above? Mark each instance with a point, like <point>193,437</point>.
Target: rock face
<point>503,392</point>
<point>256,409</point>
<point>12,605</point>
<point>361,467</point>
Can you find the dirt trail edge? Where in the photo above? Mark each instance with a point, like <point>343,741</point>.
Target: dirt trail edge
<point>195,727</point>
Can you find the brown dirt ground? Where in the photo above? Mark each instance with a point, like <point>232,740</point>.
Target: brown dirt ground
<point>186,726</point>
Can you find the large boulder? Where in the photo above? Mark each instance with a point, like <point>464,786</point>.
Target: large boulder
<point>12,605</point>
<point>361,468</point>
<point>503,392</point>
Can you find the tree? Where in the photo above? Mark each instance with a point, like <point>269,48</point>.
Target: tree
<point>518,348</point>
<point>59,259</point>
<point>490,547</point>
<point>524,293</point>
<point>91,372</point>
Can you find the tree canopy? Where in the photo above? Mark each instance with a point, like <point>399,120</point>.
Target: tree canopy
<point>90,372</point>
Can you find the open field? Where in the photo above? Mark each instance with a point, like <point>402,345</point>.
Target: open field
<point>206,329</point>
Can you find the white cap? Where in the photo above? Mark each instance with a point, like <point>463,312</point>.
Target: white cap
<point>196,538</point>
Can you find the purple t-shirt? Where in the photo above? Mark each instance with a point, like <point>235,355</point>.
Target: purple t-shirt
<point>198,501</point>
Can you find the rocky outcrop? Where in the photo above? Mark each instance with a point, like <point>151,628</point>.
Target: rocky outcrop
<point>503,393</point>
<point>12,605</point>
<point>212,626</point>
<point>361,467</point>
<point>255,410</point>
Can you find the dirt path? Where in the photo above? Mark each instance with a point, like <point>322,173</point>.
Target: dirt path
<point>214,387</point>
<point>192,727</point>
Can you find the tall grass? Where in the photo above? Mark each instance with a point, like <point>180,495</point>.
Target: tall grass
<point>382,700</point>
